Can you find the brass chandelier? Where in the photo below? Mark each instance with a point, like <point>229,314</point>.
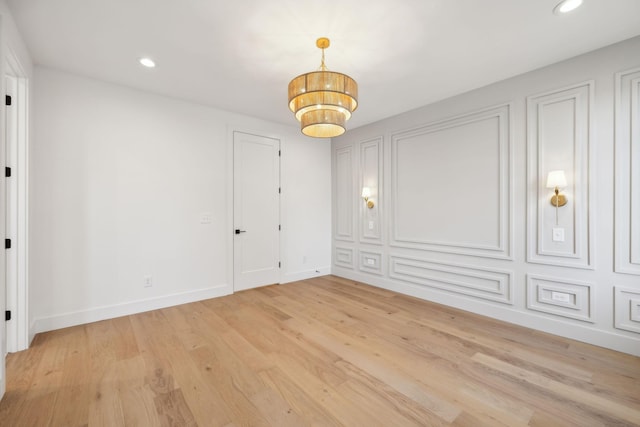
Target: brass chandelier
<point>323,100</point>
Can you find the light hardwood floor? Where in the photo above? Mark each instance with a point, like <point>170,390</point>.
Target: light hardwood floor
<point>325,351</point>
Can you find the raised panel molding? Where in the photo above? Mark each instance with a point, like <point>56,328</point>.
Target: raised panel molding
<point>371,176</point>
<point>627,172</point>
<point>560,297</point>
<point>343,189</point>
<point>483,283</point>
<point>370,262</point>
<point>467,211</point>
<point>343,257</point>
<point>559,137</point>
<point>627,309</point>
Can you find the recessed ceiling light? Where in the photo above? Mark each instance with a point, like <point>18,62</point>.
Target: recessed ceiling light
<point>147,62</point>
<point>566,6</point>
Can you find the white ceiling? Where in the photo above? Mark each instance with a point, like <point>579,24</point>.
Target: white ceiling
<point>240,55</point>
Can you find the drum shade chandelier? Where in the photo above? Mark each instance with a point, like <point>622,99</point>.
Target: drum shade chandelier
<point>323,100</point>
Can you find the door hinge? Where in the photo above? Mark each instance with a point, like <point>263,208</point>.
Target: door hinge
<point>279,153</point>
<point>7,243</point>
<point>7,172</point>
<point>7,315</point>
<point>279,190</point>
<point>7,100</point>
<point>279,227</point>
<point>279,264</point>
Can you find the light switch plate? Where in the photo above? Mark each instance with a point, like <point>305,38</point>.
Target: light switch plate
<point>558,234</point>
<point>206,218</point>
<point>370,225</point>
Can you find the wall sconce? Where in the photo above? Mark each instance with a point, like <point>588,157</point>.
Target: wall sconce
<point>366,194</point>
<point>557,180</point>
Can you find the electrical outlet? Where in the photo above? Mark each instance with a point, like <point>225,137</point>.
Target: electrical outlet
<point>148,281</point>
<point>371,261</point>
<point>561,297</point>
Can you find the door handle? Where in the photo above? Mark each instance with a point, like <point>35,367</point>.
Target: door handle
<point>238,231</point>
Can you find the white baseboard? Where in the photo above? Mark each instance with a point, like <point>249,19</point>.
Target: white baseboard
<point>32,332</point>
<point>306,274</point>
<point>96,314</point>
<point>560,327</point>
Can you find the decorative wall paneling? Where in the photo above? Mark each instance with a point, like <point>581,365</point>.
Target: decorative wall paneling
<point>466,218</point>
<point>558,138</point>
<point>371,176</point>
<point>451,185</point>
<point>343,257</point>
<point>484,283</point>
<point>371,262</point>
<point>627,204</point>
<point>561,297</point>
<point>627,309</point>
<point>344,194</point>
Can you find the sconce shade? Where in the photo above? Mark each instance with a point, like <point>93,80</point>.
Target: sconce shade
<point>556,179</point>
<point>366,192</point>
<point>323,101</point>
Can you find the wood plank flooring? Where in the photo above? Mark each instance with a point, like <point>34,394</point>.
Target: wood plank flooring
<point>321,352</point>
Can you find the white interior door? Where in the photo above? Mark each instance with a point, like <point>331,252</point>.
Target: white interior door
<point>11,212</point>
<point>256,211</point>
<point>16,198</point>
<point>3,188</point>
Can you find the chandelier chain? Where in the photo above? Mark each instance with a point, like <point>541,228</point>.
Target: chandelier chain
<point>323,67</point>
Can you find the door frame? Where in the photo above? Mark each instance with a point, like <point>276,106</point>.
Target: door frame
<point>17,267</point>
<point>231,129</point>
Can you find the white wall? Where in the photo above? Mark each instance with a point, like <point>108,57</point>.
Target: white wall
<point>462,214</point>
<point>120,180</point>
<point>12,40</point>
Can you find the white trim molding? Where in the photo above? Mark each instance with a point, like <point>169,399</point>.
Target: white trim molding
<point>560,297</point>
<point>488,284</point>
<point>371,168</point>
<point>96,314</point>
<point>343,257</point>
<point>559,137</point>
<point>627,176</point>
<point>343,218</point>
<point>305,274</point>
<point>370,262</point>
<point>17,209</point>
<point>627,309</point>
<point>496,123</point>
